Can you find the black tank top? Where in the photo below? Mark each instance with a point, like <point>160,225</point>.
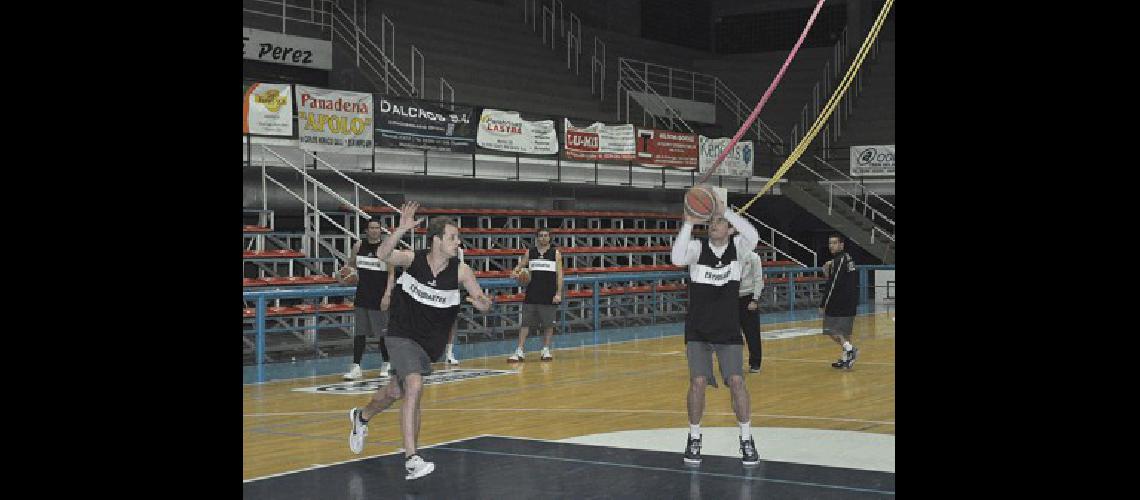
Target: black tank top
<point>373,274</point>
<point>543,276</point>
<point>713,304</point>
<point>424,306</point>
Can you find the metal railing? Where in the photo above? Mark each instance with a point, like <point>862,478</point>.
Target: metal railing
<point>312,213</point>
<point>674,82</point>
<point>261,299</point>
<point>555,26</point>
<point>451,92</point>
<point>573,43</point>
<point>548,21</point>
<point>866,193</point>
<point>772,241</point>
<point>378,61</point>
<point>875,214</point>
<point>601,309</point>
<point>702,87</point>
<point>629,79</point>
<point>387,31</point>
<point>598,70</point>
<point>357,187</point>
<point>416,52</point>
<point>279,9</point>
<point>880,231</point>
<point>734,104</point>
<point>833,72</point>
<point>369,56</point>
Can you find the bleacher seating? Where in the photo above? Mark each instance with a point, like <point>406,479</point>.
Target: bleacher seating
<point>618,242</point>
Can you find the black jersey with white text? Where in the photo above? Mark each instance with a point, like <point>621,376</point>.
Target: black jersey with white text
<point>714,309</point>
<point>424,306</point>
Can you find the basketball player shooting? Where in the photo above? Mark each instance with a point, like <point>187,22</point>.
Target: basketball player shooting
<point>712,322</point>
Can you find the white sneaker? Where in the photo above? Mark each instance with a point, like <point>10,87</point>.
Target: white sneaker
<point>359,431</point>
<point>451,359</point>
<point>519,356</point>
<point>417,467</point>
<point>546,354</point>
<point>851,355</point>
<point>384,368</point>
<point>354,373</point>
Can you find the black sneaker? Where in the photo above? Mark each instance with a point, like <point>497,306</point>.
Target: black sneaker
<point>841,363</point>
<point>754,369</point>
<point>748,452</point>
<point>693,451</point>
<point>851,355</point>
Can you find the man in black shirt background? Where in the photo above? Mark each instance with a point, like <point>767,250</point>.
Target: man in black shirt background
<point>840,298</point>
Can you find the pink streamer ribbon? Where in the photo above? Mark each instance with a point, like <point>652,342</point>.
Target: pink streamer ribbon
<point>764,99</point>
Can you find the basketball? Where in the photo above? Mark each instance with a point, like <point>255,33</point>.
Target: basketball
<point>348,275</point>
<point>523,276</point>
<point>700,202</point>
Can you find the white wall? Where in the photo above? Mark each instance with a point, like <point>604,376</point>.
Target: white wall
<point>884,286</point>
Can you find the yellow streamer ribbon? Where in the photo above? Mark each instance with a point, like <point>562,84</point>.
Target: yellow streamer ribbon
<point>828,108</point>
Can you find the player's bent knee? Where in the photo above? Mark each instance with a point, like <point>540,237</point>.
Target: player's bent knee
<point>736,382</point>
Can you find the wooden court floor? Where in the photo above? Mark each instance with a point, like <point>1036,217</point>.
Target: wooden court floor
<point>593,389</point>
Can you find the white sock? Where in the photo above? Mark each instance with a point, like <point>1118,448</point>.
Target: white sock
<point>449,351</point>
<point>745,430</point>
<point>695,430</point>
<point>847,346</point>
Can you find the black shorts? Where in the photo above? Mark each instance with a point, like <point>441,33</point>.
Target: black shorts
<point>838,325</point>
<point>370,322</point>
<point>539,315</point>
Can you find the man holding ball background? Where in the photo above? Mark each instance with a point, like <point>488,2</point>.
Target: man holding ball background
<point>540,271</point>
<point>374,285</point>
